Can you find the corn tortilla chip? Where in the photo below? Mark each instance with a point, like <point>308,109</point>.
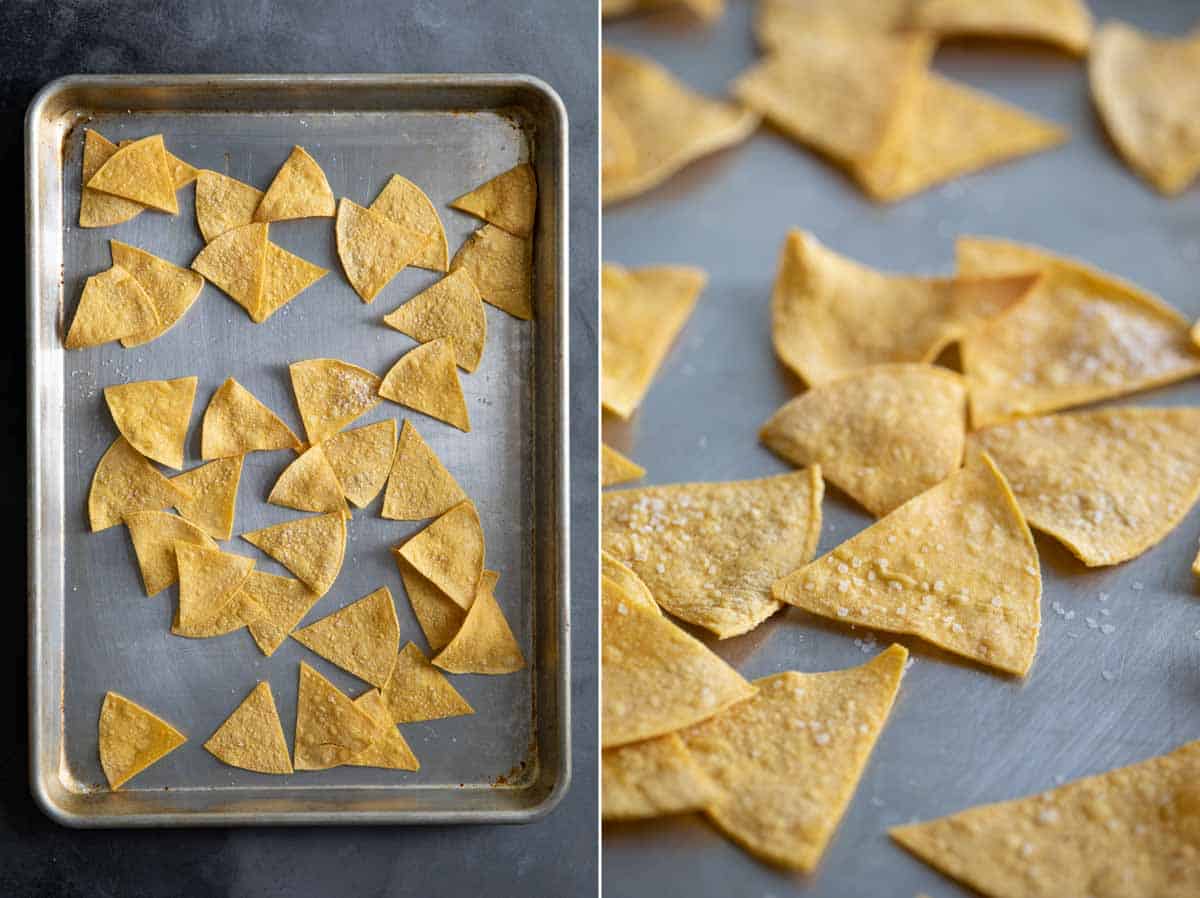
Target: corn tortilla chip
<point>330,730</point>
<point>406,204</point>
<point>624,576</point>
<point>131,739</point>
<point>388,750</point>
<point>124,483</point>
<point>426,379</point>
<point>362,637</point>
<point>285,277</point>
<point>361,459</point>
<point>171,289</point>
<point>235,423</point>
<point>501,266</point>
<point>439,616</point>
<point>299,190</point>
<point>373,248</point>
<point>182,174</point>
<point>311,548</point>
<point>97,209</point>
<point>508,200</point>
<point>310,484</point>
<point>618,153</point>
<point>284,603</point>
<point>239,612</point>
<point>223,203</point>
<point>419,486</point>
<point>452,310</point>
<point>252,736</point>
<point>615,468</point>
<point>419,691</point>
<point>484,644</point>
<point>706,11</point>
<point>212,495</point>
<point>139,171</point>
<point>153,416</point>
<point>780,21</point>
<point>652,779</point>
<point>208,581</point>
<point>449,553</point>
<point>331,393</point>
<point>1066,24</point>
<point>113,305</point>
<point>154,534</point>
<point>236,263</point>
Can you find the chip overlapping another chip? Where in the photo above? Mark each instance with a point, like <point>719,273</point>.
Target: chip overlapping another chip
<point>252,736</point>
<point>419,485</point>
<point>330,729</point>
<point>362,459</point>
<point>779,21</point>
<point>312,548</point>
<point>616,468</point>
<point>97,209</point>
<point>406,204</point>
<point>373,248</point>
<point>131,739</point>
<point>388,750</point>
<point>112,306</point>
<point>419,691</point>
<point>1066,24</point>
<point>652,779</point>
<point>171,289</point>
<point>154,534</point>
<point>363,637</point>
<point>211,501</point>
<point>284,603</point>
<point>223,203</point>
<point>236,263</point>
<point>124,483</point>
<point>451,309</point>
<point>153,415</point>
<point>426,379</point>
<point>299,190</point>
<point>209,580</point>
<point>501,266</point>
<point>439,616</point>
<point>449,553</point>
<point>236,422</point>
<point>508,200</point>
<point>310,484</point>
<point>331,393</point>
<point>139,171</point>
<point>484,643</point>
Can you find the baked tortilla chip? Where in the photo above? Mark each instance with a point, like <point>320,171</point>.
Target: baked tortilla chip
<point>235,423</point>
<point>113,305</point>
<point>153,416</point>
<point>212,495</point>
<point>131,739</point>
<point>284,603</point>
<point>239,612</point>
<point>1131,831</point>
<point>171,289</point>
<point>449,553</point>
<point>182,173</point>
<point>208,581</point>
<point>419,691</point>
<point>439,616</point>
<point>252,736</point>
<point>154,534</point>
<point>361,459</point>
<point>299,190</point>
<point>311,548</point>
<point>618,153</point>
<point>1082,336</point>
<point>426,379</point>
<point>286,277</point>
<point>501,266</point>
<point>223,203</point>
<point>310,484</point>
<point>709,552</point>
<point>124,483</point>
<point>96,209</point>
<point>787,761</point>
<point>331,393</point>
<point>707,11</point>
<point>388,750</point>
<point>373,248</point>
<point>419,486</point>
<point>484,643</point>
<point>652,779</point>
<point>882,434</point>
<point>363,637</point>
<point>330,730</point>
<point>780,21</point>
<point>139,171</point>
<point>406,204</point>
<point>508,200</point>
<point>956,566</point>
<point>1066,24</point>
<point>236,263</point>
<point>452,310</point>
<point>615,468</point>
<point>633,585</point>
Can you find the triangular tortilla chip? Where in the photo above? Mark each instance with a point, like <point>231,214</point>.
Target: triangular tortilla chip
<point>154,534</point>
<point>419,485</point>
<point>208,581</point>
<point>956,566</point>
<point>363,637</point>
<point>883,434</point>
<point>449,552</point>
<point>618,153</point>
<point>1131,831</point>
<point>331,393</point>
<point>439,616</point>
<point>311,548</point>
<point>832,315</point>
<point>419,691</point>
<point>484,643</point>
<point>223,203</point>
<point>252,736</point>
<point>668,124</point>
<point>1063,23</point>
<point>286,277</point>
<point>361,459</point>
<point>235,423</point>
<point>615,468</point>
<point>182,173</point>
<point>451,309</point>
<point>373,248</point>
<point>389,750</point>
<point>299,190</point>
<point>652,779</point>
<point>236,263</point>
<point>131,739</point>
<point>655,678</point>
<point>635,588</point>
<point>96,209</point>
<point>705,10</point>
<point>284,603</point>
<point>154,415</point>
<point>113,305</point>
<point>709,552</point>
<point>1082,336</point>
<point>1108,484</point>
<point>501,266</point>
<point>124,482</point>
<point>508,200</point>
<point>171,289</point>
<point>779,21</point>
<point>330,730</point>
<point>212,495</point>
<point>787,761</point>
<point>310,484</point>
<point>239,612</point>
<point>138,171</point>
<point>426,379</point>
<point>406,204</point>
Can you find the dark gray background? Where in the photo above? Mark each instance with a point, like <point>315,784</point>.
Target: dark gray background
<point>552,39</point>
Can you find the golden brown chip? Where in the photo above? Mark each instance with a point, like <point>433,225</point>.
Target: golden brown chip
<point>311,548</point>
<point>236,263</point>
<point>406,204</point>
<point>212,495</point>
<point>883,434</point>
<point>373,248</point>
<point>501,266</point>
<point>286,276</point>
<point>182,174</point>
<point>706,11</point>
<point>310,484</point>
<point>618,153</point>
<point>284,603</point>
<point>426,379</point>
<point>131,739</point>
<point>223,203</point>
<point>484,643</point>
<point>139,171</point>
<point>96,209</point>
<point>1064,23</point>
<point>299,190</point>
<point>235,423</point>
<point>508,200</point>
<point>419,691</point>
<point>633,585</point>
<point>361,459</point>
<point>452,310</point>
<point>239,612</point>
<point>208,581</point>
<point>419,485</point>
<point>779,22</point>
<point>363,637</point>
<point>171,289</point>
<point>153,416</point>
<point>439,616</point>
<point>113,305</point>
<point>124,483</point>
<point>652,779</point>
<point>389,749</point>
<point>449,553</point>
<point>330,730</point>
<point>154,534</point>
<point>252,736</point>
<point>709,552</point>
<point>331,393</point>
<point>615,468</point>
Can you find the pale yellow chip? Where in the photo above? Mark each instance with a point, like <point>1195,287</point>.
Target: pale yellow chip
<point>618,152</point>
<point>208,581</point>
<point>299,190</point>
<point>124,483</point>
<point>419,486</point>
<point>882,434</point>
<point>154,534</point>
<point>439,616</point>
<point>786,762</point>
<point>212,491</point>
<point>312,548</point>
<point>419,691</point>
<point>956,566</point>
<point>139,171</point>
<point>388,750</point>
<point>96,209</point>
<point>285,277</point>
<point>406,204</point>
<point>655,678</point>
<point>452,310</point>
<point>171,289</point>
<point>236,263</point>
<point>778,22</point>
<point>426,379</point>
<point>223,203</point>
<point>707,11</point>
<point>1082,336</point>
<point>508,200</point>
<point>235,423</point>
<point>373,248</point>
<point>832,315</point>
<point>252,736</point>
<point>1066,24</point>
<point>284,603</point>
<point>113,305</point>
<point>624,576</point>
<point>449,553</point>
<point>363,637</point>
<point>310,484</point>
<point>484,643</point>
<point>652,779</point>
<point>330,730</point>
<point>239,612</point>
<point>331,393</point>
<point>131,739</point>
<point>361,459</point>
<point>182,173</point>
<point>667,124</point>
<point>1130,831</point>
<point>501,266</point>
<point>615,468</point>
<point>153,415</point>
<point>709,552</point>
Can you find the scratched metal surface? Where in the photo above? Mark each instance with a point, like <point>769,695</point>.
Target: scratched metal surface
<point>958,736</point>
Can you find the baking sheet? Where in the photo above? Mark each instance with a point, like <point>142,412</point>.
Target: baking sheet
<point>958,736</point>
<point>93,629</point>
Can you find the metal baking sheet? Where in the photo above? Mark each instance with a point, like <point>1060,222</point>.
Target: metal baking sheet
<point>958,736</point>
<point>92,628</point>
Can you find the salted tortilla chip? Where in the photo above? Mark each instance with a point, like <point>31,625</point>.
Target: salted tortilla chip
<point>642,312</point>
<point>652,779</point>
<point>182,173</point>
<point>426,379</point>
<point>508,200</point>
<point>373,248</point>
<point>330,730</point>
<point>284,603</point>
<point>655,678</point>
<point>124,483</point>
<point>484,643</point>
<point>363,637</point>
<point>286,276</point>
<point>625,577</point>
<point>706,11</point>
<point>618,152</point>
<point>223,203</point>
<point>138,171</point>
<point>882,434</point>
<point>299,190</point>
<point>1130,831</point>
<point>154,534</point>
<point>1063,23</point>
<point>501,266</point>
<point>709,552</point>
<point>449,552</point>
<point>419,691</point>
<point>787,761</point>
<point>171,289</point>
<point>97,209</point>
<point>406,204</point>
<point>239,612</point>
<point>452,310</point>
<point>668,124</point>
<point>311,548</point>
<point>615,468</point>
<point>113,305</point>
<point>331,393</point>
<point>832,315</point>
<point>208,581</point>
<point>211,495</point>
<point>439,616</point>
<point>252,736</point>
<point>236,263</point>
<point>235,423</point>
<point>131,739</point>
<point>361,459</point>
<point>388,750</point>
<point>419,486</point>
<point>153,416</point>
<point>1082,336</point>
<point>780,21</point>
<point>310,484</point>
<point>956,566</point>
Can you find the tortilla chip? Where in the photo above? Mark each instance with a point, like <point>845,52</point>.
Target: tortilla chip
<point>1082,336</point>
<point>426,379</point>
<point>363,637</point>
<point>440,618</point>
<point>652,779</point>
<point>223,203</point>
<point>373,248</point>
<point>668,125</point>
<point>286,277</point>
<point>361,459</point>
<point>832,316</point>
<point>284,603</point>
<point>655,677</point>
<point>642,312</point>
<point>252,736</point>
<point>96,209</point>
<point>388,750</point>
<point>330,730</point>
<point>618,153</point>
<point>709,552</point>
<point>882,434</point>
<point>235,263</point>
<point>779,22</point>
<point>235,423</point>
<point>419,486</point>
<point>154,534</point>
<point>299,190</point>
<point>124,483</point>
<point>406,204</point>
<point>331,393</point>
<point>171,289</point>
<point>508,200</point>
<point>633,585</point>
<point>212,495</point>
<point>208,581</point>
<point>310,484</point>
<point>419,691</point>
<point>449,552</point>
<point>501,266</point>
<point>131,739</point>
<point>707,11</point>
<point>1066,24</point>
<point>138,171</point>
<point>451,309</point>
<point>787,762</point>
<point>484,643</point>
<point>616,468</point>
<point>153,416</point>
<point>239,612</point>
<point>182,173</point>
<point>1131,831</point>
<point>956,566</point>
<point>311,548</point>
<point>113,305</point>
